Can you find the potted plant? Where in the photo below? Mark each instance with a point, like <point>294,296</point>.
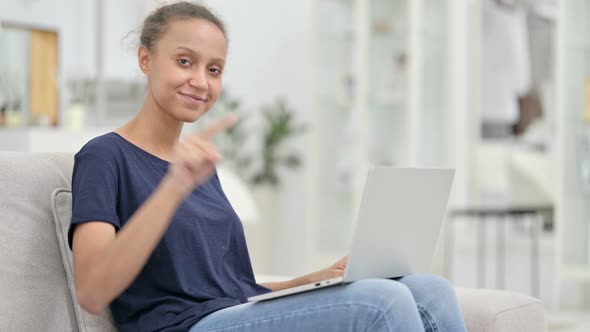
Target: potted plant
<point>12,107</point>
<point>278,128</point>
<point>3,101</point>
<point>3,108</point>
<point>258,154</point>
<point>13,113</point>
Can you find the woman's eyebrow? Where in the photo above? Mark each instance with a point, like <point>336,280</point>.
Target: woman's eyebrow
<point>194,53</point>
<point>184,48</point>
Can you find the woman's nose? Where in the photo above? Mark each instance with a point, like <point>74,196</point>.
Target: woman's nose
<point>199,80</point>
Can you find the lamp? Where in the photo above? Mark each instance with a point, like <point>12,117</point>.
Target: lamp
<point>239,195</point>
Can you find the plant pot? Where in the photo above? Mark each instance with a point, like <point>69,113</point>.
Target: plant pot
<point>263,234</point>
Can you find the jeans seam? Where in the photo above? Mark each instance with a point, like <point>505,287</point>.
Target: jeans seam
<point>382,312</point>
<point>429,318</point>
<point>293,313</point>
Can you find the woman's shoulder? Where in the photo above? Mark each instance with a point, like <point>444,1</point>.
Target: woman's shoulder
<point>105,146</point>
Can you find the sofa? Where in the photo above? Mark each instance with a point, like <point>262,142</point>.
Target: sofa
<point>36,277</point>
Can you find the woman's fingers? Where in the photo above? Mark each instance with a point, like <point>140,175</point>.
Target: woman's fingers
<point>218,126</point>
<point>206,148</point>
<point>196,155</point>
<point>341,263</point>
<point>201,145</point>
<point>188,157</point>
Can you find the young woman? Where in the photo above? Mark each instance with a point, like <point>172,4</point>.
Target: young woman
<point>155,238</point>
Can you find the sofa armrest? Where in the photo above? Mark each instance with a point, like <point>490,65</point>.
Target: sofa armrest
<point>494,310</point>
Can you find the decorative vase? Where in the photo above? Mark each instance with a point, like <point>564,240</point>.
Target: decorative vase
<point>13,118</point>
<point>75,116</point>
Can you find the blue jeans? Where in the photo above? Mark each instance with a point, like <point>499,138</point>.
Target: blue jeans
<point>411,303</point>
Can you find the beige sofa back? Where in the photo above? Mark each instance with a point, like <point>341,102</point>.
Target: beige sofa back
<point>35,286</point>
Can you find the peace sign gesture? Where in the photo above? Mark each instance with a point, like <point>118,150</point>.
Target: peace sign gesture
<point>195,156</point>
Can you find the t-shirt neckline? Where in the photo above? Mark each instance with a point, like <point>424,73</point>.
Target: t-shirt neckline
<point>151,155</point>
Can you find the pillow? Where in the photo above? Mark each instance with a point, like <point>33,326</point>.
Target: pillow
<point>61,204</point>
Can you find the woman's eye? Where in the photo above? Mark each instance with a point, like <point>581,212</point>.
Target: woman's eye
<point>215,70</point>
<point>184,62</point>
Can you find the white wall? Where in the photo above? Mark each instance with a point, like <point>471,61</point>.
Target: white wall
<point>122,20</point>
<point>270,50</point>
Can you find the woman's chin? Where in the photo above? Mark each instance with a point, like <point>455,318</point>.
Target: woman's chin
<point>190,116</point>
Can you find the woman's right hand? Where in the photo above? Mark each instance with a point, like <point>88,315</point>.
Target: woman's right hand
<point>195,156</point>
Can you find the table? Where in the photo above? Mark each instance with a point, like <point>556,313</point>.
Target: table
<point>501,214</point>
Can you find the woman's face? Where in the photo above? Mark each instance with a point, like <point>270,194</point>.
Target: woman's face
<point>185,68</point>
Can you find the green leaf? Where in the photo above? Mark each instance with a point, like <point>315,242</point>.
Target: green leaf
<point>292,161</point>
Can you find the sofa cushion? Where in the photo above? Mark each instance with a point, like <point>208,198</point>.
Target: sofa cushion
<point>33,286</point>
<point>62,213</point>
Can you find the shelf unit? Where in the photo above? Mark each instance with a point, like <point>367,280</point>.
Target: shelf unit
<point>573,150</point>
<point>382,96</point>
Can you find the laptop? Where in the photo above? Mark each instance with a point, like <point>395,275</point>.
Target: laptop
<point>399,220</point>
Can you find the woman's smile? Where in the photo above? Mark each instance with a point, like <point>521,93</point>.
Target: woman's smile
<point>192,100</point>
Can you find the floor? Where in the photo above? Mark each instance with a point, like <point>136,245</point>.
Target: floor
<point>564,322</point>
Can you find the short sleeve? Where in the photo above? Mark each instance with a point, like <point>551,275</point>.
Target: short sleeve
<point>94,188</point>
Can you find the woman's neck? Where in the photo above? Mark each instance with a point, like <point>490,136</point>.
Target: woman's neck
<point>153,130</point>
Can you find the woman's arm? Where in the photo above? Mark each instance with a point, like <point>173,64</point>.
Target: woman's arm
<point>105,264</point>
<point>279,285</point>
<point>333,271</point>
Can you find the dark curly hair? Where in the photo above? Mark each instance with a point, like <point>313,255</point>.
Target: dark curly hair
<point>154,25</point>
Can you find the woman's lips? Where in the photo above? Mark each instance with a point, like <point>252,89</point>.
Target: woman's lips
<point>192,100</point>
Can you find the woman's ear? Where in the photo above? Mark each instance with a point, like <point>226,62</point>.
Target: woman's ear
<point>144,59</point>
